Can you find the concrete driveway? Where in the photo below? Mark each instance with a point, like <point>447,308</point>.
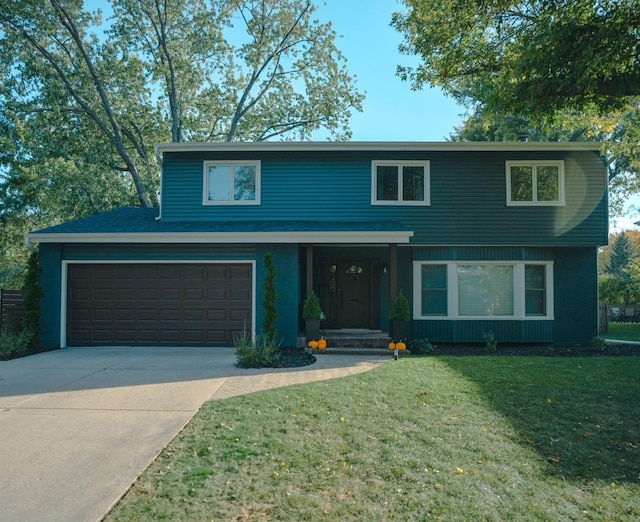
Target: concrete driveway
<point>78,425</point>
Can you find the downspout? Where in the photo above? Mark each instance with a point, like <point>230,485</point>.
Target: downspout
<point>29,244</point>
<point>159,160</point>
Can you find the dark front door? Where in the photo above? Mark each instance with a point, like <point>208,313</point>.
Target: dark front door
<point>349,293</point>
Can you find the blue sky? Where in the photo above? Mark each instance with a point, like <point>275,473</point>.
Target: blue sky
<point>391,112</point>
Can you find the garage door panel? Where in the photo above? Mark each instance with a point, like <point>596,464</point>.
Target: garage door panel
<point>238,315</point>
<point>158,304</point>
<point>194,293</point>
<point>195,315</point>
<point>127,294</point>
<point>239,273</point>
<point>169,293</point>
<point>81,293</point>
<point>239,294</point>
<point>103,315</point>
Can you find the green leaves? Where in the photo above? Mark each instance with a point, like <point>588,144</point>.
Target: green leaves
<point>525,57</point>
<point>83,99</point>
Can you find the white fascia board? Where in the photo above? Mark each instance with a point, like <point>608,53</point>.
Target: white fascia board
<point>289,146</point>
<point>229,237</point>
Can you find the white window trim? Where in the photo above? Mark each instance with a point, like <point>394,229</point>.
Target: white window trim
<point>452,291</point>
<point>233,163</point>
<point>400,164</point>
<point>537,163</point>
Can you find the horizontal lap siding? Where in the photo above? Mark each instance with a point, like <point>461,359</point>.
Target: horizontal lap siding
<point>468,195</point>
<point>303,190</point>
<point>158,252</point>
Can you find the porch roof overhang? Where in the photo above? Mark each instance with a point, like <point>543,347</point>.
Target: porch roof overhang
<point>141,226</point>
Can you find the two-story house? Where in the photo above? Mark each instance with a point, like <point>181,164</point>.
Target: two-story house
<point>481,237</point>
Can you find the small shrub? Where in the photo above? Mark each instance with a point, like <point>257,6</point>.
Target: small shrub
<point>597,345</point>
<point>14,345</point>
<point>400,308</point>
<point>32,295</point>
<point>311,309</point>
<point>491,345</point>
<point>421,346</point>
<point>260,351</point>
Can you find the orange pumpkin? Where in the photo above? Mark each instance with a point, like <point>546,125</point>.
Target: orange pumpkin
<point>313,344</point>
<point>401,346</point>
<point>392,346</point>
<point>322,343</point>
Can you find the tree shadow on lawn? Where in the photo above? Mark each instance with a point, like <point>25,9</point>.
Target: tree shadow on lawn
<point>582,415</point>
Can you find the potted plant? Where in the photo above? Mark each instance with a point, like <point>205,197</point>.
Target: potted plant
<point>399,315</point>
<point>312,314</point>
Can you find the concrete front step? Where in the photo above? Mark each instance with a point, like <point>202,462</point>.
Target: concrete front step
<point>356,338</point>
<point>354,350</point>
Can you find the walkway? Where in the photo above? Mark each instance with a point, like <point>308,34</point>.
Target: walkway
<point>78,425</point>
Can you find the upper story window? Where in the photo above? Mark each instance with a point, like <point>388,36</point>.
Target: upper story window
<point>231,183</point>
<point>535,183</point>
<point>400,183</point>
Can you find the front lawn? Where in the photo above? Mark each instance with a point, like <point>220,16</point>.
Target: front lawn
<point>443,438</point>
<point>623,332</point>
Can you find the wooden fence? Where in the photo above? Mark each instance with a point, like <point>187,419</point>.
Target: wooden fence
<point>11,310</point>
<point>603,318</point>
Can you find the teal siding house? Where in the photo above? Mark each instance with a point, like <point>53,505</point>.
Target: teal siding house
<point>481,237</point>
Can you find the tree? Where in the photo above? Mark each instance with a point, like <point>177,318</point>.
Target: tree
<point>55,66</point>
<point>619,282</point>
<point>620,257</point>
<point>525,57</point>
<point>247,70</point>
<point>83,101</point>
<point>270,298</point>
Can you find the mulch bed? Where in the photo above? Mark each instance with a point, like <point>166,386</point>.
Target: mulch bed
<point>537,350</point>
<point>291,357</point>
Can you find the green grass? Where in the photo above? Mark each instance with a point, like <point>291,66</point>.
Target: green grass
<point>623,332</point>
<point>442,438</point>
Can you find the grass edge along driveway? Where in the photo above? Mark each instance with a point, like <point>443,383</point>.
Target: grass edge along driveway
<point>456,438</point>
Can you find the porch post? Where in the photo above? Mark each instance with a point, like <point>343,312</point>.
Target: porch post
<point>393,272</point>
<point>309,269</point>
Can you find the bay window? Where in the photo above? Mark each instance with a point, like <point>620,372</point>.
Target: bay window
<point>477,290</point>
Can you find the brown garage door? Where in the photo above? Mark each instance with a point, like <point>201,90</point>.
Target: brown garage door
<point>157,304</point>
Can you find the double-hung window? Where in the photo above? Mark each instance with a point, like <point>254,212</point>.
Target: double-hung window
<point>231,183</point>
<point>539,183</point>
<point>480,290</point>
<point>400,183</point>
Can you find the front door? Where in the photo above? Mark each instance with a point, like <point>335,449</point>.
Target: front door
<point>349,293</point>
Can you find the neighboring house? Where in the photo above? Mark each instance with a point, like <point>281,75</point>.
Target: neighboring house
<point>481,237</point>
